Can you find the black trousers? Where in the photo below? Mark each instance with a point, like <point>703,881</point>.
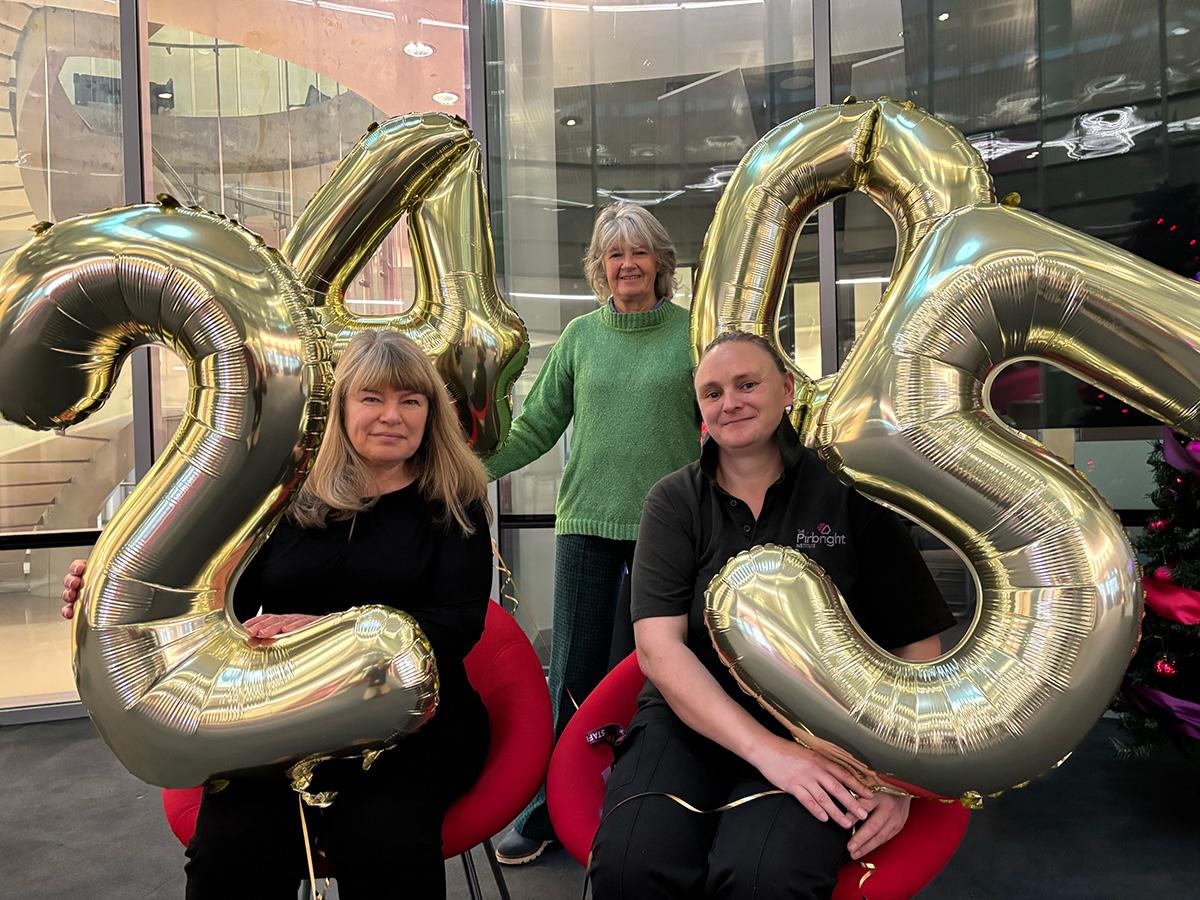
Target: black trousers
<point>382,835</point>
<point>653,848</point>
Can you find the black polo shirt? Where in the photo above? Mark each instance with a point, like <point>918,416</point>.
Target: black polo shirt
<point>691,527</point>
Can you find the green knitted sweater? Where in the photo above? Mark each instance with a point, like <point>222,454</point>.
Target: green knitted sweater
<point>626,378</point>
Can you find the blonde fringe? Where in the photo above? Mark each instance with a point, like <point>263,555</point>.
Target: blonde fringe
<point>447,472</point>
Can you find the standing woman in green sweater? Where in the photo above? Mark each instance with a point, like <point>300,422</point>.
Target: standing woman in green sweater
<point>624,374</point>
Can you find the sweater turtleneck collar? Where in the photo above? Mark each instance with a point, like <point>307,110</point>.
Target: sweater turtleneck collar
<point>634,321</point>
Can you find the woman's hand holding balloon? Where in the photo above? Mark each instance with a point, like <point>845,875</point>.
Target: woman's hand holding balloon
<point>824,788</point>
<point>72,585</point>
<point>265,627</point>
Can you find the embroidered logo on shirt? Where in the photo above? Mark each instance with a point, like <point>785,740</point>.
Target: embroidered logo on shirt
<point>822,536</point>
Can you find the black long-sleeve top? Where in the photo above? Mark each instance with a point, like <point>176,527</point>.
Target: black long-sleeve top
<point>397,554</point>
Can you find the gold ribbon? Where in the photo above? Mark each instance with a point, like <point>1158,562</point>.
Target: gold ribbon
<point>674,798</point>
<point>868,867</point>
<point>312,873</point>
<point>509,591</point>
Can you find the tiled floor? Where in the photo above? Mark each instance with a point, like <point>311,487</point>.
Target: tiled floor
<point>76,825</point>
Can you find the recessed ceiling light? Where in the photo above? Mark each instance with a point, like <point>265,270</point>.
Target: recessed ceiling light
<point>1180,30</point>
<point>570,121</point>
<point>165,95</point>
<point>446,98</point>
<point>1031,155</point>
<point>943,17</point>
<point>418,49</point>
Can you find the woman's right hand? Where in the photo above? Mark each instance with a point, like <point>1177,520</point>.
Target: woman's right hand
<point>72,583</point>
<point>824,788</point>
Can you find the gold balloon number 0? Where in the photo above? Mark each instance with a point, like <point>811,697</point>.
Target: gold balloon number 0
<point>976,284</point>
<point>166,673</point>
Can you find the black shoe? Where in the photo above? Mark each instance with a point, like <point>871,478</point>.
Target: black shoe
<point>515,849</point>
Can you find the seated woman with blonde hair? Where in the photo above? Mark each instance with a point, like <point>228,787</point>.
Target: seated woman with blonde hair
<point>394,512</point>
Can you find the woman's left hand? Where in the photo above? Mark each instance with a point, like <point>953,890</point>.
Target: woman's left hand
<point>269,625</point>
<point>887,816</point>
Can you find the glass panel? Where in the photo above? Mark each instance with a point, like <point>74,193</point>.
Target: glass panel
<point>1065,101</point>
<point>529,553</point>
<point>60,155</point>
<point>647,102</point>
<point>249,121</point>
<point>50,481</point>
<point>35,641</point>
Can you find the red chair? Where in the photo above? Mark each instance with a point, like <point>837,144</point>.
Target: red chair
<point>505,670</point>
<point>575,797</point>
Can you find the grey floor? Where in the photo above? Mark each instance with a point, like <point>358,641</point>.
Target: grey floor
<point>73,823</point>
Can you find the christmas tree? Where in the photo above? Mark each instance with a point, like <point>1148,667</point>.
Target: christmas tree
<point>1160,699</point>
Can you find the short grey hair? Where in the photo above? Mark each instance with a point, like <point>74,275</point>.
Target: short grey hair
<point>631,224</point>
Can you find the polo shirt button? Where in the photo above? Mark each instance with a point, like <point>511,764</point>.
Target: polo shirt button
<point>746,528</point>
<point>733,503</point>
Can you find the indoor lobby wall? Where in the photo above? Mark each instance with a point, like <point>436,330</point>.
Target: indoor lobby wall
<point>1090,109</point>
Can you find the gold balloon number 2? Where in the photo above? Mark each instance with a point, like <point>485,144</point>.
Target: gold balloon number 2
<point>976,284</point>
<point>167,674</point>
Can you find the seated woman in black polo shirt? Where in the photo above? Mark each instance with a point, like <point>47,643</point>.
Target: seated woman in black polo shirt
<point>696,734</point>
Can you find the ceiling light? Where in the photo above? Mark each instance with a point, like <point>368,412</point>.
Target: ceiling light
<point>549,4</point>
<point>710,4</point>
<point>570,121</point>
<point>1180,30</point>
<point>868,279</point>
<point>943,17</point>
<point>643,198</point>
<point>1031,155</point>
<point>356,10</point>
<point>165,95</point>
<point>638,7</point>
<point>438,23</point>
<point>446,98</point>
<point>418,49</point>
<point>539,296</point>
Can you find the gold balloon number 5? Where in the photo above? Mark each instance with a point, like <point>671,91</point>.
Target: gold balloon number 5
<point>167,674</point>
<point>976,285</point>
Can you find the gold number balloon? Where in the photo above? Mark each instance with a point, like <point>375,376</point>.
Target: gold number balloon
<point>428,166</point>
<point>166,673</point>
<point>906,421</point>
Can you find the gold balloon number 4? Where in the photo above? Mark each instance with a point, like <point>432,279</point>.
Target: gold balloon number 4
<point>976,284</point>
<point>429,167</point>
<point>166,673</point>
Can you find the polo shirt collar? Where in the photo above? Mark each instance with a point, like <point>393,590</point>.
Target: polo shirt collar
<point>790,449</point>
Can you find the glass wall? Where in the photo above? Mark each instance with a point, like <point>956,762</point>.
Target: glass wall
<point>60,155</point>
<point>250,107</point>
<point>1087,109</point>
<point>653,103</point>
<point>249,121</point>
<point>1090,109</point>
